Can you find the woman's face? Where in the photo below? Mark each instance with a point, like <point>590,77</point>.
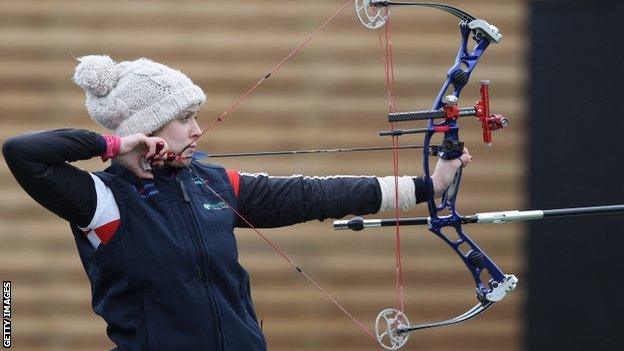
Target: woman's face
<point>180,133</point>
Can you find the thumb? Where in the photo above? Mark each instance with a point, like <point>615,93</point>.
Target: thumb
<point>141,173</point>
<point>465,159</point>
<point>136,167</point>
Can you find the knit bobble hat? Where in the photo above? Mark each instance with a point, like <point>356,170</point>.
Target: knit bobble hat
<point>138,96</point>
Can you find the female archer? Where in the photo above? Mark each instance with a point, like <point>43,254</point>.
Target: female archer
<point>158,244</point>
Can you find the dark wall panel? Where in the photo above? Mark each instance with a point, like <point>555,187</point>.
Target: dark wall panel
<point>576,265</point>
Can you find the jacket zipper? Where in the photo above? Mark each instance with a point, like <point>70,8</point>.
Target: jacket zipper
<point>201,258</point>
<point>197,240</point>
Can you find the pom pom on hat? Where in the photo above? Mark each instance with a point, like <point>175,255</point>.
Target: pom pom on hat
<point>96,74</point>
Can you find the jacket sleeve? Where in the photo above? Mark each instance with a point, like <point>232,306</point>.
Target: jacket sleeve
<point>39,163</point>
<point>269,202</point>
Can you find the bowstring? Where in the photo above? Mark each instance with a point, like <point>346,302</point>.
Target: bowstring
<point>387,57</point>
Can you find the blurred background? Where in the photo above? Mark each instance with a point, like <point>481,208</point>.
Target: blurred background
<point>555,72</point>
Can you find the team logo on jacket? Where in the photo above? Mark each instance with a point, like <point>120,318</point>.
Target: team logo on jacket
<point>215,206</point>
<point>147,190</point>
<point>197,180</point>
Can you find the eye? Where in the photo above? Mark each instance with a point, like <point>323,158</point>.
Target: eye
<point>186,118</point>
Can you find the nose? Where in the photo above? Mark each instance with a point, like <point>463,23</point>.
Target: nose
<point>195,129</point>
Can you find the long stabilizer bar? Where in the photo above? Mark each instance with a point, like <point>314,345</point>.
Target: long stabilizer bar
<point>359,223</point>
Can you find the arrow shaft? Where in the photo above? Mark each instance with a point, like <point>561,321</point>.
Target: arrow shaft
<point>312,151</point>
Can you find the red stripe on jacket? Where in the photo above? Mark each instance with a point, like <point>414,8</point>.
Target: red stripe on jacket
<point>106,231</point>
<point>234,180</point>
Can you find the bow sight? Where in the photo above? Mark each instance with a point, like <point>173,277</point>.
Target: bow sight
<point>450,111</point>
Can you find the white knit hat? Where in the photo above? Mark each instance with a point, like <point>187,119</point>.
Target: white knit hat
<point>134,96</point>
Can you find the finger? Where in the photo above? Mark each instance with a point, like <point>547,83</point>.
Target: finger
<point>465,159</point>
<point>159,146</point>
<point>145,175</point>
<point>128,143</point>
<point>151,144</point>
<point>141,173</point>
<point>163,148</point>
<point>171,156</point>
<point>466,154</point>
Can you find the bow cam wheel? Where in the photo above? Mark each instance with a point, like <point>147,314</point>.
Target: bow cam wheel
<point>371,16</point>
<point>387,326</point>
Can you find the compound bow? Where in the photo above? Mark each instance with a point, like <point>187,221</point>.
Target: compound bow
<point>392,327</point>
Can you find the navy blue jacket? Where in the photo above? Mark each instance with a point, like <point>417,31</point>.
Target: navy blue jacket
<point>170,278</point>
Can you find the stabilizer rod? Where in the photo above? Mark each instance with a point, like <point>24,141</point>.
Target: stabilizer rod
<point>359,223</point>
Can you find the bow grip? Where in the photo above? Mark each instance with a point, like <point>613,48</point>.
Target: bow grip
<point>451,148</point>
